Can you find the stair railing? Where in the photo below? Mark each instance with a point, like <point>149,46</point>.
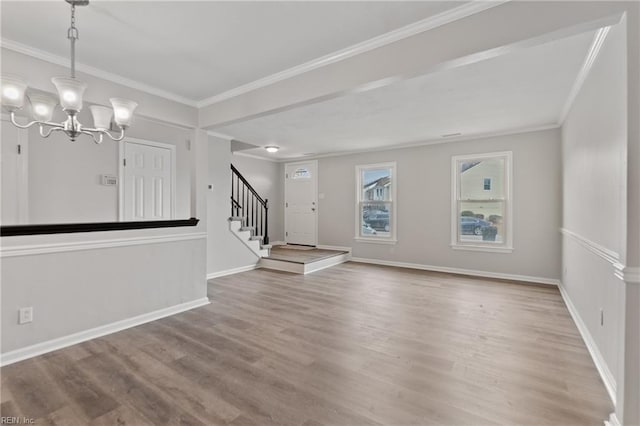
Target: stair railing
<point>248,205</point>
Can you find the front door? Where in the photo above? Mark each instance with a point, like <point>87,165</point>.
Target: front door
<point>301,209</point>
<point>147,181</point>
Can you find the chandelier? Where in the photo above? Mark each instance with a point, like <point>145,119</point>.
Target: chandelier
<point>70,91</point>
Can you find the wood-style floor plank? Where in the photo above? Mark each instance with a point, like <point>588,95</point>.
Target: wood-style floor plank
<point>351,345</point>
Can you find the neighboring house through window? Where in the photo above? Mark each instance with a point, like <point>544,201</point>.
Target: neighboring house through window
<point>481,202</point>
<point>376,202</point>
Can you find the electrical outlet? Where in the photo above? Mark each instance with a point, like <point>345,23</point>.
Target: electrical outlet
<point>601,317</point>
<point>25,315</point>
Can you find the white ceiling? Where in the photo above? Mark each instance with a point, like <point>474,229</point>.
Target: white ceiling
<point>524,89</point>
<point>200,49</point>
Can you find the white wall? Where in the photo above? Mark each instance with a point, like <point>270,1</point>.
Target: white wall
<point>37,73</point>
<point>594,149</point>
<point>64,176</point>
<point>224,251</point>
<point>267,179</point>
<point>76,282</point>
<point>424,205</point>
<point>78,290</point>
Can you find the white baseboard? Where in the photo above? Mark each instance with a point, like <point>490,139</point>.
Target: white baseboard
<point>613,420</point>
<point>82,336</point>
<point>340,248</point>
<point>232,271</point>
<point>278,243</point>
<point>607,377</point>
<point>484,274</point>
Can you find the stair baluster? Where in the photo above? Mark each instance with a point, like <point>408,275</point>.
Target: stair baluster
<point>247,204</point>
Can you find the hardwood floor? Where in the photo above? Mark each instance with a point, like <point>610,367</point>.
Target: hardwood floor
<point>352,345</point>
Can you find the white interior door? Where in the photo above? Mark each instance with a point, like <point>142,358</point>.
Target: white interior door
<point>301,209</point>
<point>147,178</point>
<point>14,184</point>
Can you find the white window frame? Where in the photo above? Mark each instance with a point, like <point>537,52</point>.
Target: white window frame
<point>488,246</point>
<point>391,239</point>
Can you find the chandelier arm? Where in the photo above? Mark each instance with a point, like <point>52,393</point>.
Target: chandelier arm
<point>51,130</point>
<point>72,103</point>
<point>108,133</point>
<point>119,138</point>
<point>22,126</point>
<point>96,134</point>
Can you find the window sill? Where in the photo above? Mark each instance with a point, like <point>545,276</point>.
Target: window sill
<point>488,249</point>
<point>376,240</point>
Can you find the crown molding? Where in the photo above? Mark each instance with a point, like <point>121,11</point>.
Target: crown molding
<point>220,135</point>
<point>256,157</point>
<point>446,17</point>
<point>592,54</point>
<point>114,78</point>
<point>437,141</point>
<point>229,138</point>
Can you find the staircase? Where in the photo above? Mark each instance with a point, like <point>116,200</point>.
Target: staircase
<point>249,220</point>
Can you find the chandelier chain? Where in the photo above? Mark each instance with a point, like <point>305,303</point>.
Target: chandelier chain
<point>70,93</point>
<point>72,35</point>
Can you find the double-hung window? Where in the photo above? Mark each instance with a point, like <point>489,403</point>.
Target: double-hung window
<point>376,202</point>
<point>481,203</point>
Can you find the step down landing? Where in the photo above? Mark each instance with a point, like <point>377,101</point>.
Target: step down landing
<point>302,260</point>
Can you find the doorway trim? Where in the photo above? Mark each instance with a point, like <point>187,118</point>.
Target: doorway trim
<point>22,178</point>
<point>168,146</point>
<point>315,162</point>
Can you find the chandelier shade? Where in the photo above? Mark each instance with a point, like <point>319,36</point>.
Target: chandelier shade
<point>101,116</point>
<point>123,110</point>
<point>42,107</point>
<point>13,93</point>
<point>70,92</point>
<point>70,95</point>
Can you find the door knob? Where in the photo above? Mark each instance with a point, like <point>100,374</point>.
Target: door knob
<point>313,209</point>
